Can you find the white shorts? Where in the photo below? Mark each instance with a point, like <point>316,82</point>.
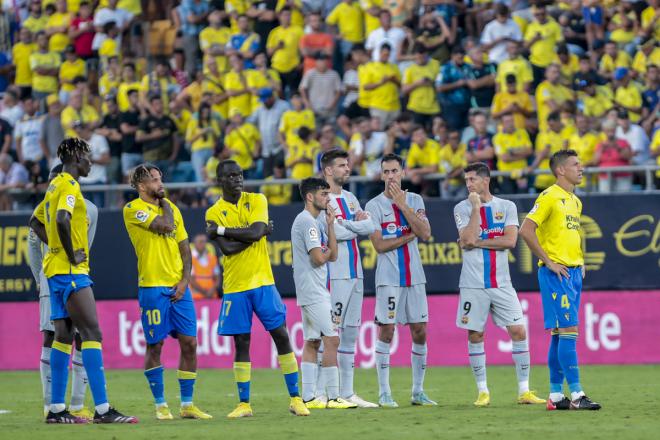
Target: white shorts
<point>318,320</point>
<point>401,305</point>
<point>346,297</point>
<point>45,324</point>
<point>475,304</point>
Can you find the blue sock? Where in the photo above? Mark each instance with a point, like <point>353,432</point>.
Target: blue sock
<point>569,361</point>
<point>556,373</point>
<point>155,378</point>
<point>289,367</point>
<point>93,362</point>
<point>186,386</point>
<point>60,355</point>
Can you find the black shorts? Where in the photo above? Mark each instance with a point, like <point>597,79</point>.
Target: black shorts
<point>354,111</point>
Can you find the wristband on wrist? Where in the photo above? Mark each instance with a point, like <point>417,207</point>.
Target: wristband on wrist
<point>221,231</point>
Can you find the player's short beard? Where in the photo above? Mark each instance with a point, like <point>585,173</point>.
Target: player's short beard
<point>158,194</point>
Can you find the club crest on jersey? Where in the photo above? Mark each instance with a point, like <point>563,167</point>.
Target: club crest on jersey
<point>351,207</point>
<point>71,201</point>
<point>464,320</point>
<point>499,216</point>
<point>141,216</point>
<point>224,213</point>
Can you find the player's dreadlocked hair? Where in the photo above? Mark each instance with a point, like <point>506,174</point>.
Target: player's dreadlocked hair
<point>71,148</point>
<point>142,172</point>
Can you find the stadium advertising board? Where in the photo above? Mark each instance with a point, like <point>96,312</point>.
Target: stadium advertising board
<point>610,325</point>
<point>621,244</point>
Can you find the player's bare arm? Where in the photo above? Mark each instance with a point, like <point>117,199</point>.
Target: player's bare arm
<point>419,224</point>
<point>163,224</point>
<point>227,246</point>
<point>382,246</point>
<point>317,255</point>
<point>63,221</point>
<point>528,233</point>
<point>39,229</point>
<point>469,235</point>
<point>186,257</point>
<point>506,241</point>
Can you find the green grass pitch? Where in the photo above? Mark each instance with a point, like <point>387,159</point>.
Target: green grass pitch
<point>629,395</point>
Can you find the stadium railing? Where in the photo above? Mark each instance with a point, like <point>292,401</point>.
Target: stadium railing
<point>647,170</point>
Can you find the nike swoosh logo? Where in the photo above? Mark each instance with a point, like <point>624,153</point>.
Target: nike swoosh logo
<point>516,319</point>
<point>424,316</point>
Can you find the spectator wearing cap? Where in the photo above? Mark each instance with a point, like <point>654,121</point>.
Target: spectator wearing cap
<point>515,65</point>
<point>417,86</point>
<point>57,27</point>
<point>636,138</point>
<point>513,148</point>
<point>77,110</point>
<point>292,120</point>
<point>498,32</point>
<point>27,134</point>
<point>244,42</point>
<point>243,144</point>
<point>613,59</point>
<point>267,119</point>
<point>594,101</point>
<point>157,134</point>
<point>202,134</point>
<point>627,94</point>
<point>423,159</point>
<point>320,89</point>
<point>71,68</point>
<point>192,14</point>
<point>451,164</point>
<point>131,150</point>
<point>81,31</point>
<point>550,95</point>
<point>481,80</point>
<point>382,81</point>
<point>238,86</point>
<point>541,38</point>
<point>45,67</point>
<point>100,157</point>
<point>548,142</point>
<point>454,93</point>
<point>20,57</point>
<point>110,128</point>
<point>348,18</point>
<point>52,133</point>
<point>282,47</point>
<point>613,152</point>
<point>512,101</point>
<point>315,41</point>
<point>385,34</point>
<point>12,175</point>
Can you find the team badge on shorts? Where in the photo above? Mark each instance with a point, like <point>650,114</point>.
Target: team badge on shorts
<point>465,319</point>
<point>390,315</point>
<point>567,316</point>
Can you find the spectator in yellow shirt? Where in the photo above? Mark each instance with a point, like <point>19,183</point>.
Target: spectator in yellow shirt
<point>36,21</point>
<point>57,27</point>
<point>452,161</point>
<point>541,38</point>
<point>516,65</point>
<point>651,20</point>
<point>45,66</point>
<point>128,82</point>
<point>283,49</point>
<point>423,159</point>
<point>592,101</point>
<point>242,144</point>
<point>547,143</point>
<point>584,142</point>
<point>655,153</point>
<point>300,155</point>
<point>627,94</point>
<point>159,82</point>
<point>348,17</point>
<point>418,85</point>
<point>213,40</point>
<point>384,81</point>
<point>292,120</point>
<point>512,148</point>
<point>512,101</point>
<point>202,134</point>
<point>20,56</point>
<point>277,194</point>
<point>550,96</point>
<point>237,85</point>
<point>77,110</point>
<point>72,68</point>
<point>612,59</point>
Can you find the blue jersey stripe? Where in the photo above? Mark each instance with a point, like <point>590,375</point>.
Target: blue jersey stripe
<point>351,254</point>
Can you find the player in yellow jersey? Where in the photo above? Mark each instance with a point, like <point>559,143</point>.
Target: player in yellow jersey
<point>238,223</point>
<point>552,232</point>
<point>156,229</point>
<point>72,301</point>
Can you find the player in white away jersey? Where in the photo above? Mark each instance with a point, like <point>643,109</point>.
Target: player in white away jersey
<point>488,228</point>
<point>314,245</point>
<point>346,277</point>
<point>400,219</point>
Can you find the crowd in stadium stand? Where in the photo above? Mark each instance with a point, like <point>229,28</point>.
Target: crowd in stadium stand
<point>273,84</point>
